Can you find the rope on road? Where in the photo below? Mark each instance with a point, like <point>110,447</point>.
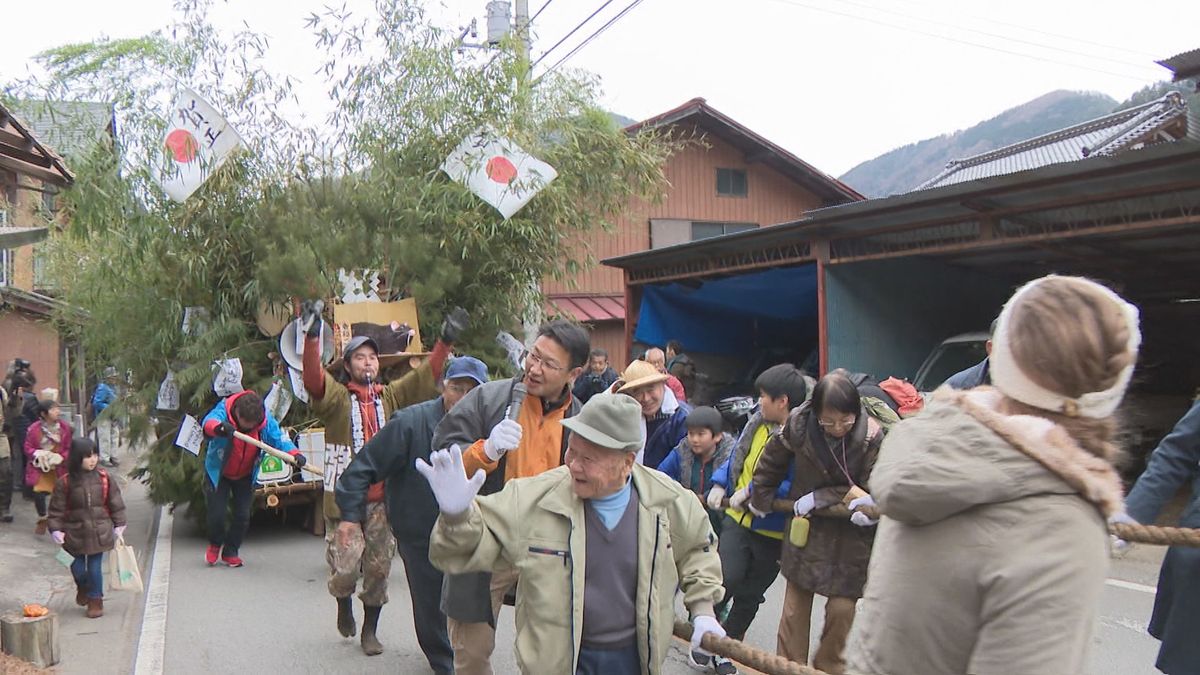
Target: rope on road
<point>771,664</point>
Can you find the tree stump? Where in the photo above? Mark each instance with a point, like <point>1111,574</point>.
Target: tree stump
<point>31,639</point>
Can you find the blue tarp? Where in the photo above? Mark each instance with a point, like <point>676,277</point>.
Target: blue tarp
<point>774,308</point>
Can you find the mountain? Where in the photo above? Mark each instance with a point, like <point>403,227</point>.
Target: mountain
<point>905,168</point>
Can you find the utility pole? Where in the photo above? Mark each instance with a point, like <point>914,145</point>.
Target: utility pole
<point>521,22</point>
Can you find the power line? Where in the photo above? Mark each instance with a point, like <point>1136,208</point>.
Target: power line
<point>593,36</point>
<point>573,31</point>
<point>994,35</point>
<point>962,41</point>
<point>1060,36</point>
<point>539,12</point>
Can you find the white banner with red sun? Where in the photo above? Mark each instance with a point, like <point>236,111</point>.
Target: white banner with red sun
<point>498,171</point>
<point>197,141</point>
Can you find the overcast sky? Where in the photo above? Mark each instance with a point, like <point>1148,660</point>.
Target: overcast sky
<point>836,82</point>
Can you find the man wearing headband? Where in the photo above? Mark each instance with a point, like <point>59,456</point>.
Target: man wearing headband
<point>352,408</point>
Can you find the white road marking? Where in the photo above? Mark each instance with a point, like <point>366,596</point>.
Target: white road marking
<point>1130,586</point>
<point>152,645</point>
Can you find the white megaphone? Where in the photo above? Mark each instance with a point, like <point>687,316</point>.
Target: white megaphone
<point>291,345</point>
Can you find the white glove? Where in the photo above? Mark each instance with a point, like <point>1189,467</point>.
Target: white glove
<point>865,500</point>
<point>505,436</point>
<point>704,624</point>
<point>862,520</point>
<point>1119,548</point>
<point>118,531</point>
<point>58,537</point>
<point>805,505</point>
<point>715,496</point>
<point>449,482</point>
<point>739,498</point>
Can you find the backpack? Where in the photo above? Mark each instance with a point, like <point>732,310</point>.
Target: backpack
<point>66,479</point>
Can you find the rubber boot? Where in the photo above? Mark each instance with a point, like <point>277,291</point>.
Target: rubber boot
<point>370,644</point>
<point>345,618</point>
<point>95,608</point>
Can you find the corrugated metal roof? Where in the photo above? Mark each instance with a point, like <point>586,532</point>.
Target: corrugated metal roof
<point>71,128</point>
<point>1185,65</point>
<point>1106,135</point>
<point>588,308</point>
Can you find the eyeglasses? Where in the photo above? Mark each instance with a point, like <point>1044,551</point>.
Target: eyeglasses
<point>838,424</point>
<point>535,359</point>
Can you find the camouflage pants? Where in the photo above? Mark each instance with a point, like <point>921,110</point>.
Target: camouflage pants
<point>368,555</point>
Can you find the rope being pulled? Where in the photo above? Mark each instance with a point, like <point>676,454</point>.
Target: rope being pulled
<point>1157,536</point>
<point>1134,534</point>
<point>771,664</point>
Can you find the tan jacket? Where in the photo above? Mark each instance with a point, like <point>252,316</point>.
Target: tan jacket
<point>992,553</point>
<point>537,525</point>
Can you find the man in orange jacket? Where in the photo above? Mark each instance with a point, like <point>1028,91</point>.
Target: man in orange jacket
<point>506,448</point>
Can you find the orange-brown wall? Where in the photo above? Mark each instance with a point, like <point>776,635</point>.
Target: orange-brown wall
<point>610,336</point>
<point>771,198</point>
<point>34,340</point>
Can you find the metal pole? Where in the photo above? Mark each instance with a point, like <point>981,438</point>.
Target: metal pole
<point>521,24</point>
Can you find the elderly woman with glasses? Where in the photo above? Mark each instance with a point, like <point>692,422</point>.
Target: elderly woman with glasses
<point>830,445</point>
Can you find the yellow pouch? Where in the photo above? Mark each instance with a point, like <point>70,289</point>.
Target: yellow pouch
<point>798,533</point>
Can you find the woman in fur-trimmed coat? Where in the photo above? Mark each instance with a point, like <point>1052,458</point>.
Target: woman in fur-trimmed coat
<point>993,549</point>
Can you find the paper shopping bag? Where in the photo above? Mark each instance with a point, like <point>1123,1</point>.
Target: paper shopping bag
<point>122,572</point>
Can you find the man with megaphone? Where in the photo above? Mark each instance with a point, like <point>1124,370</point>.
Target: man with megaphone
<point>353,406</point>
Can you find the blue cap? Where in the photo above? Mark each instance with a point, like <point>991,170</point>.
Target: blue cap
<point>467,366</point>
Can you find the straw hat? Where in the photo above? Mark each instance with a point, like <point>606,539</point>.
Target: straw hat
<point>639,374</point>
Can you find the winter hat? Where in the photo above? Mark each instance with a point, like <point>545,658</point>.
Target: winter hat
<point>706,417</point>
<point>1009,377</point>
<point>610,421</point>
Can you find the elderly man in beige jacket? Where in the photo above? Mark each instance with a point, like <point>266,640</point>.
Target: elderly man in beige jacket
<point>601,545</point>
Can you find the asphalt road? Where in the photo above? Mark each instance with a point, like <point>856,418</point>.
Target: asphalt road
<point>274,614</point>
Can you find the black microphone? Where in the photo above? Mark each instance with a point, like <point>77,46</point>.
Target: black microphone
<point>514,403</point>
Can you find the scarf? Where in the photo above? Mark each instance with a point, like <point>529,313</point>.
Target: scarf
<point>362,427</point>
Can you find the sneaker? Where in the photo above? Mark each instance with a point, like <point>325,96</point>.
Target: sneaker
<point>231,560</point>
<point>6,518</point>
<point>211,554</point>
<point>723,666</point>
<point>112,462</point>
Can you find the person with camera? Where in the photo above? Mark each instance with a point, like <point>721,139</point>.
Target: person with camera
<point>599,377</point>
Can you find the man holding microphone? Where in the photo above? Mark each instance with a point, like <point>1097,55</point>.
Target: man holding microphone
<point>508,429</point>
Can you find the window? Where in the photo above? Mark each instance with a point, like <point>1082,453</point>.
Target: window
<point>731,182</point>
<point>50,202</point>
<point>7,258</point>
<point>8,186</point>
<point>702,230</point>
<point>41,270</point>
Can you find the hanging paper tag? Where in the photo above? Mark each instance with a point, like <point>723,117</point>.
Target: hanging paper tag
<point>190,436</point>
<point>168,393</point>
<point>278,400</point>
<point>228,379</point>
<point>195,320</point>
<point>297,379</point>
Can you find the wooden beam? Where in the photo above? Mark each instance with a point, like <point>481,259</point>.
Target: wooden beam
<point>17,152</point>
<point>1118,228</point>
<point>34,171</point>
<point>16,237</point>
<point>14,139</point>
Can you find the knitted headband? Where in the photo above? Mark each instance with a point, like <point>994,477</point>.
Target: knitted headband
<point>1008,377</point>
